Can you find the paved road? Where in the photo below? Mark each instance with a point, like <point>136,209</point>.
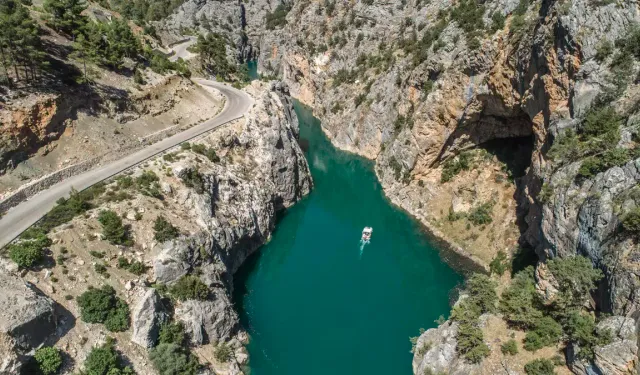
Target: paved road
<point>21,217</point>
<point>180,50</point>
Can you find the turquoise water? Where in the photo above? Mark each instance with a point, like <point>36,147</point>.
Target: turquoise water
<point>313,303</point>
<point>253,69</point>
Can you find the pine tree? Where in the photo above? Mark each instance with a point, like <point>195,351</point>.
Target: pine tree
<point>66,15</point>
<point>20,46</point>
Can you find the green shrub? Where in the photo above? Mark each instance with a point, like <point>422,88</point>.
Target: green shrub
<point>499,263</point>
<point>112,228</point>
<point>600,163</point>
<point>631,221</point>
<point>519,303</point>
<point>481,214</point>
<point>278,17</point>
<point>29,250</point>
<point>208,152</point>
<point>137,77</point>
<point>482,298</point>
<point>576,278</point>
<point>482,292</point>
<point>104,360</point>
<point>566,147</point>
<point>124,182</point>
<point>471,344</point>
<point>190,287</point>
<point>164,230</point>
<point>172,333</point>
<point>193,179</point>
<point>97,254</point>
<point>148,185</point>
<point>49,360</point>
<point>518,24</point>
<point>581,329</point>
<point>103,306</point>
<point>510,347</point>
<point>604,49</point>
<point>67,209</point>
<point>171,359</point>
<point>546,332</point>
<point>497,21</point>
<point>100,268</point>
<point>223,353</point>
<point>468,15</point>
<point>137,268</point>
<point>453,167</point>
<point>123,263</point>
<point>539,367</point>
<point>601,120</point>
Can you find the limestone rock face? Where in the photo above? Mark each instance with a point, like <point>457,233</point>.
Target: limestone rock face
<point>619,357</point>
<point>235,211</point>
<point>546,284</point>
<point>147,316</point>
<point>26,315</point>
<point>436,352</point>
<point>27,319</point>
<point>210,321</point>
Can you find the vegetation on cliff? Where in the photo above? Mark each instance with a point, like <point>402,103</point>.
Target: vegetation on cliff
<point>103,306</point>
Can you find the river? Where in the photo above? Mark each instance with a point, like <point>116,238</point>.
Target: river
<point>314,303</point>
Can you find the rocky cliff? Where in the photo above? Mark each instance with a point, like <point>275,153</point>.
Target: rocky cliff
<point>221,193</point>
<point>488,121</point>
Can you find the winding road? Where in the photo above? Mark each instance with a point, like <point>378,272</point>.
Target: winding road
<point>22,216</point>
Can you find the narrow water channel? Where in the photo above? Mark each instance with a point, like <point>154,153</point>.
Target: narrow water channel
<point>314,303</point>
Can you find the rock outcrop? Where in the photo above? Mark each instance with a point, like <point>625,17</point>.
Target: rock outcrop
<point>619,357</point>
<point>27,319</point>
<point>147,316</point>
<point>233,209</point>
<point>435,352</point>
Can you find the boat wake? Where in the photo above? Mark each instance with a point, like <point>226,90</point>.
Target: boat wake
<point>366,237</point>
<point>362,244</point>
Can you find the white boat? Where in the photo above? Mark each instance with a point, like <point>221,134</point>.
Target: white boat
<point>366,234</point>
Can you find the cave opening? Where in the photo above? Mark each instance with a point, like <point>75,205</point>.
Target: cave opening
<point>514,152</point>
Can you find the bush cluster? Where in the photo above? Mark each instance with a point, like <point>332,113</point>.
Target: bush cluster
<point>546,324</point>
<point>223,352</point>
<point>481,215</point>
<point>148,184</point>
<point>499,264</point>
<point>278,17</point>
<point>103,306</point>
<point>164,230</point>
<point>510,347</point>
<point>539,367</point>
<point>49,360</point>
<point>482,298</point>
<point>190,287</point>
<point>29,250</point>
<point>172,359</point>
<point>113,230</point>
<point>105,360</point>
<point>631,221</point>
<point>596,142</point>
<point>136,267</point>
<point>193,179</point>
<point>208,152</point>
<point>452,167</point>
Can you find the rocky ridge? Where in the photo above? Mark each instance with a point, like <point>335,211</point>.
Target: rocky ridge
<point>259,170</point>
